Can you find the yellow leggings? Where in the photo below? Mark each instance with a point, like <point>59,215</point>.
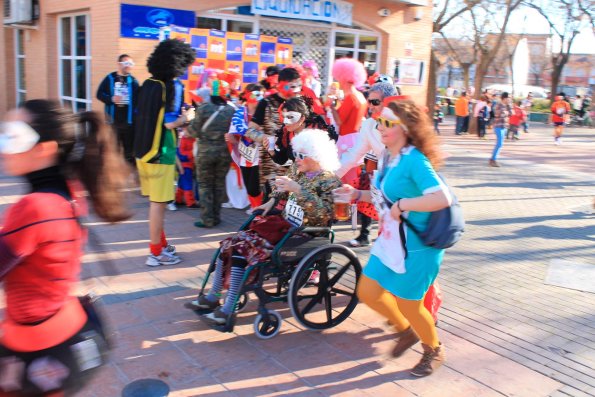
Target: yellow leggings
<point>401,313</point>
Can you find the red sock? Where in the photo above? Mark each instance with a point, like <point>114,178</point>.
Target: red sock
<point>255,201</point>
<point>163,239</point>
<point>155,249</point>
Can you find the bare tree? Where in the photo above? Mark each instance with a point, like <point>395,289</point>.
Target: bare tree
<point>489,32</point>
<point>445,12</point>
<point>566,19</point>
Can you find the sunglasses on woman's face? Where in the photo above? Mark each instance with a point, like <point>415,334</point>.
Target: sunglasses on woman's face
<point>388,123</point>
<point>127,64</point>
<point>299,156</point>
<point>374,102</point>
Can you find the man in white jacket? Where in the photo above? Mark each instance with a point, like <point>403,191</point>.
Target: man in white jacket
<point>368,144</point>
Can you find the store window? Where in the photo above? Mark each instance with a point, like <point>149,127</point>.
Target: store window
<point>359,45</point>
<point>19,50</point>
<point>226,24</point>
<point>74,68</point>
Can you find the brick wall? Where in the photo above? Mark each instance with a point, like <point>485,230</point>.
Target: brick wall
<point>41,48</point>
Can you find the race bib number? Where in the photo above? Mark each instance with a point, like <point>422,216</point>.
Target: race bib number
<point>250,153</point>
<point>293,213</point>
<point>561,111</point>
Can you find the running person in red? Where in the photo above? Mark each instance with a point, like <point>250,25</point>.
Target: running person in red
<point>560,112</point>
<point>51,342</point>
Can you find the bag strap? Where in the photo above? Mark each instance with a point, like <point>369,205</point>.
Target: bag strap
<point>210,119</point>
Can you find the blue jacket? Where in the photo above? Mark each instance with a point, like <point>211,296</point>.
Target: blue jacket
<point>105,92</point>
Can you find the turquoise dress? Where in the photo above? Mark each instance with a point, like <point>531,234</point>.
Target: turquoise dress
<point>409,175</point>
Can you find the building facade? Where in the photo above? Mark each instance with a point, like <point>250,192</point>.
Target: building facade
<point>73,44</point>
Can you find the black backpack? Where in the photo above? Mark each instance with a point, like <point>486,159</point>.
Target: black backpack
<point>446,226</point>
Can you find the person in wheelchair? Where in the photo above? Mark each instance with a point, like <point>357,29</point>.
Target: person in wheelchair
<point>304,195</point>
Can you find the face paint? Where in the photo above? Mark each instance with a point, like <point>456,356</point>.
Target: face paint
<point>290,88</point>
<point>17,137</point>
<point>291,118</point>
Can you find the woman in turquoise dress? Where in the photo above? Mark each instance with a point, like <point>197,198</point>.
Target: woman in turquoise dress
<point>406,185</point>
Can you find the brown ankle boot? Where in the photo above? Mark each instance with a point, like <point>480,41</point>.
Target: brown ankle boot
<point>431,360</point>
<point>405,339</point>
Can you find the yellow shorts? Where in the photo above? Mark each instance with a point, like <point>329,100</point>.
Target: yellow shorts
<point>156,181</point>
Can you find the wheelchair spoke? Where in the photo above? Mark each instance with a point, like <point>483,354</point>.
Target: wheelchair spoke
<point>337,276</point>
<point>342,292</point>
<point>312,303</point>
<point>328,307</point>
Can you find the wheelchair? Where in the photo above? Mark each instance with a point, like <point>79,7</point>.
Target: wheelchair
<point>285,277</point>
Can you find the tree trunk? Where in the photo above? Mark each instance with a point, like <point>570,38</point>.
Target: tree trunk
<point>432,81</point>
<point>466,67</point>
<point>480,72</point>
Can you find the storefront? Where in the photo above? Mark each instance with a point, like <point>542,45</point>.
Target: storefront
<point>71,45</point>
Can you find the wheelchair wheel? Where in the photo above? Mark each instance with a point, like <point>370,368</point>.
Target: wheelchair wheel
<point>330,301</point>
<point>242,302</point>
<point>267,326</point>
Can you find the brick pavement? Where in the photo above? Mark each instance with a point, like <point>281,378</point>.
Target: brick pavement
<point>505,331</point>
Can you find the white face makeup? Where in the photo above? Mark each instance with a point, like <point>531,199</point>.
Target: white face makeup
<point>291,118</point>
<point>17,137</point>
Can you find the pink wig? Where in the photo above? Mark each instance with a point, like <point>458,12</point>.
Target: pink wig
<point>349,70</point>
<point>310,64</point>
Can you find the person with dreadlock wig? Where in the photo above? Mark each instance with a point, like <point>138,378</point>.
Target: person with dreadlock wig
<point>51,342</point>
<point>296,116</point>
<point>159,112</point>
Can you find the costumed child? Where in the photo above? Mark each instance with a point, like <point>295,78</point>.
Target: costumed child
<point>244,151</point>
<point>185,165</point>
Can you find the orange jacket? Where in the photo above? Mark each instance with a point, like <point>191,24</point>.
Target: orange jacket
<point>462,107</point>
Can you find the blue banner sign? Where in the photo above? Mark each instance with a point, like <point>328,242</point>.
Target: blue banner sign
<point>314,10</point>
<point>141,22</point>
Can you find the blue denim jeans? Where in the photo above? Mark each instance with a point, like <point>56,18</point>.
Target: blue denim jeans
<point>500,134</point>
<point>459,126</point>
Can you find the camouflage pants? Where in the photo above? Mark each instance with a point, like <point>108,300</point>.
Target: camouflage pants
<point>212,165</point>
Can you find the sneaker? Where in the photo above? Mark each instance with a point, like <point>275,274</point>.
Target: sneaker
<point>172,206</point>
<point>405,339</point>
<point>218,317</point>
<point>162,260</point>
<point>227,205</point>
<point>169,250</point>
<point>431,360</point>
<point>202,303</point>
<point>314,277</point>
<point>359,241</point>
<point>493,163</point>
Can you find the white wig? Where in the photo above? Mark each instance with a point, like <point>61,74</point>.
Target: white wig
<point>317,145</point>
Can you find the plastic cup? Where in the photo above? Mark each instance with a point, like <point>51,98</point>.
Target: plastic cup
<point>342,202</point>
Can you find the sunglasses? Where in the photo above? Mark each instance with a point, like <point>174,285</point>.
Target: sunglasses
<point>127,64</point>
<point>299,156</point>
<point>374,102</point>
<point>388,123</point>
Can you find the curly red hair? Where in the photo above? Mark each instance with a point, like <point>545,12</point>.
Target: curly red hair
<point>420,133</point>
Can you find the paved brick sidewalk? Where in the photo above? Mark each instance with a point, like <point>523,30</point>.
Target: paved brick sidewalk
<point>505,331</point>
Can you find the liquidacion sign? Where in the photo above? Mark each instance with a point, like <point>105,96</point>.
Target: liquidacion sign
<point>143,22</point>
<point>314,10</point>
